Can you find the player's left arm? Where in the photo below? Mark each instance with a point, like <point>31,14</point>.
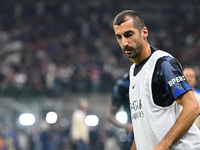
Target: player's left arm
<point>187,117</point>
<point>183,95</point>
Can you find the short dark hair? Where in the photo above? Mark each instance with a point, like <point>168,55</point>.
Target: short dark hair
<point>121,18</point>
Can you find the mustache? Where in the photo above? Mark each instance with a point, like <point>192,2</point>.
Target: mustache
<point>126,48</point>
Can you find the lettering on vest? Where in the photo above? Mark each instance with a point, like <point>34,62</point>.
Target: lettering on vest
<point>136,109</point>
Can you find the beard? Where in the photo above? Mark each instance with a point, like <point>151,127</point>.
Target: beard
<point>133,52</point>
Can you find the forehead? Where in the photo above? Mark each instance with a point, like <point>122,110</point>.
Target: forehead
<point>189,71</point>
<point>124,27</point>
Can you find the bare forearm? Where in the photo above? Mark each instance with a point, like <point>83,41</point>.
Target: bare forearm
<point>182,125</point>
<point>111,117</point>
<point>128,126</point>
<point>179,129</point>
<point>114,121</point>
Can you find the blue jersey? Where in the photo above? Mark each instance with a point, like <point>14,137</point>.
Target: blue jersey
<point>155,84</point>
<point>120,94</point>
<point>168,81</point>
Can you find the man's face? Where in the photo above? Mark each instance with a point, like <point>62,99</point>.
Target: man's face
<point>190,75</point>
<point>129,38</point>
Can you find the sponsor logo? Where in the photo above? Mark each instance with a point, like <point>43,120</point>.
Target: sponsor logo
<point>133,86</point>
<point>136,109</point>
<point>176,80</point>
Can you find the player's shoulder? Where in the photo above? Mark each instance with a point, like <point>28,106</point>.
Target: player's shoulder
<point>167,62</point>
<point>123,81</point>
<point>167,59</point>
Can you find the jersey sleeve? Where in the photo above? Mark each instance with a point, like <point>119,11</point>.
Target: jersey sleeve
<point>120,92</point>
<point>173,79</point>
<point>116,98</point>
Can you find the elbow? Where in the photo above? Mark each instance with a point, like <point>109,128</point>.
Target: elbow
<point>196,110</point>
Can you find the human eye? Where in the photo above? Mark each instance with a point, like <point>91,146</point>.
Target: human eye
<point>128,34</point>
<point>118,37</point>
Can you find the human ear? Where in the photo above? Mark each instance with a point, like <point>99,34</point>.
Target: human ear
<point>144,32</point>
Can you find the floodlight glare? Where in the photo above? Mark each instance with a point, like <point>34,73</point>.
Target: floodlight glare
<point>91,120</point>
<point>51,117</point>
<point>26,119</point>
<point>122,117</point>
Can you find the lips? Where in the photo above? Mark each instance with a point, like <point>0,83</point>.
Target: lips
<point>128,51</point>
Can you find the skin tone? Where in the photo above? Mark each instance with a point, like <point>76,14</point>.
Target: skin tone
<point>111,117</point>
<point>133,42</point>
<point>190,76</point>
<point>135,46</point>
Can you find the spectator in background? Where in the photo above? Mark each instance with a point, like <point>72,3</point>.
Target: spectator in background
<point>191,76</point>
<point>80,131</point>
<point>23,140</point>
<point>39,54</point>
<point>120,98</point>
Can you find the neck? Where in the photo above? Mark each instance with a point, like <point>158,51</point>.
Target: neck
<point>145,53</point>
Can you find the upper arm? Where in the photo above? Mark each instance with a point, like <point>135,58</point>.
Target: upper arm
<point>172,77</point>
<point>188,100</point>
<point>168,81</point>
<point>190,104</point>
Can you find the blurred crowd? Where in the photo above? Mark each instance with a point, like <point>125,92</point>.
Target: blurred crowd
<point>57,137</point>
<point>59,47</point>
<point>55,47</point>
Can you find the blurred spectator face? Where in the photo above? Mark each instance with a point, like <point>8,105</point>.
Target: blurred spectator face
<point>190,76</point>
<point>84,105</point>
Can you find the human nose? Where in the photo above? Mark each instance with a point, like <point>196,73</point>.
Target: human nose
<point>124,42</point>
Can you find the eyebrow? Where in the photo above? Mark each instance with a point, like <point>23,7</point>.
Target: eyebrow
<point>125,32</point>
<point>129,31</point>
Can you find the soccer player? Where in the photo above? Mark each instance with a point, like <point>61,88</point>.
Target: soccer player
<point>163,106</point>
<point>120,98</point>
<point>191,76</point>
